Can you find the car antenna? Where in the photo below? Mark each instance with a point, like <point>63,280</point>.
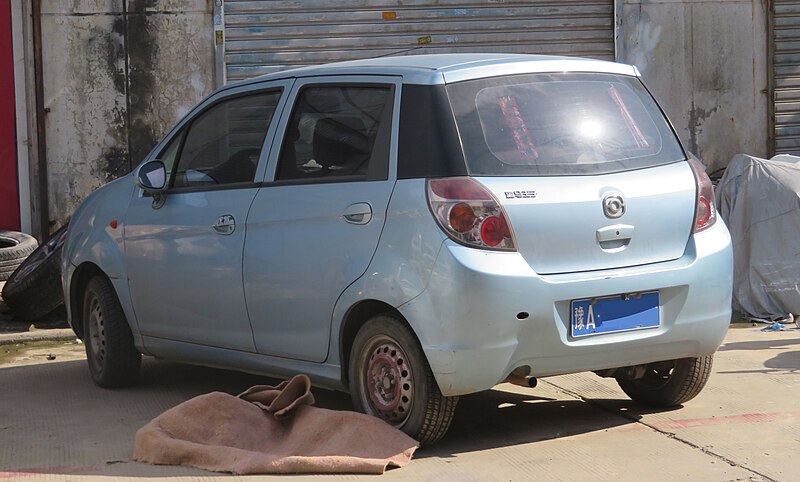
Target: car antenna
<point>400,52</point>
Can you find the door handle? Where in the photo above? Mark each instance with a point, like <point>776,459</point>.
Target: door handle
<point>358,213</point>
<point>225,225</point>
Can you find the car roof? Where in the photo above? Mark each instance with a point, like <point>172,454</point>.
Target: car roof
<point>432,69</point>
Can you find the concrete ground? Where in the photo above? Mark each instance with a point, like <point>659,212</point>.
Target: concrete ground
<point>56,425</point>
<point>51,327</point>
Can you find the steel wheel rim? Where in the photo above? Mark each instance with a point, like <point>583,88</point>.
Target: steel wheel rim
<point>97,334</point>
<point>387,383</point>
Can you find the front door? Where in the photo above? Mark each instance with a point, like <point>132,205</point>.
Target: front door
<point>313,231</point>
<point>185,257</point>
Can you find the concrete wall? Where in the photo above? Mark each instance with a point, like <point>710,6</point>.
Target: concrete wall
<point>706,63</point>
<point>117,75</point>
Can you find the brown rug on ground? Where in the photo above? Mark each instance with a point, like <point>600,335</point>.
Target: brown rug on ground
<point>271,430</point>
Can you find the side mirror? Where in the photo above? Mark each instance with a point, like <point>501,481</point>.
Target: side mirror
<point>152,176</point>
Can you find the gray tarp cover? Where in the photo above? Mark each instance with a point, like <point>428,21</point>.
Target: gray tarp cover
<point>759,200</point>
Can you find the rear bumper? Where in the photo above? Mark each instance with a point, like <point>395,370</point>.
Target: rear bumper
<point>467,321</point>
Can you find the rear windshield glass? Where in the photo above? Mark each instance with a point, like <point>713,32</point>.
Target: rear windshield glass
<point>556,124</point>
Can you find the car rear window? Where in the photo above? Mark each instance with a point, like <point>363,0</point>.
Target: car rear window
<point>560,124</point>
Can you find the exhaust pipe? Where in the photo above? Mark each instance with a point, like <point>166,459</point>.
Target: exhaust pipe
<point>522,381</point>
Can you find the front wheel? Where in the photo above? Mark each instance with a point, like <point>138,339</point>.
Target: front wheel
<point>390,378</point>
<point>113,359</point>
<point>669,383</point>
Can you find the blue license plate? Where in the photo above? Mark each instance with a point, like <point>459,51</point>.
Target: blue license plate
<point>611,314</point>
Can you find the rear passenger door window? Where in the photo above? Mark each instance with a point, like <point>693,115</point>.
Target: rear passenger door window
<point>338,132</point>
<point>223,144</point>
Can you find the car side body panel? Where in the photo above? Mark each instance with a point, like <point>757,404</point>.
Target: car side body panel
<point>302,251</point>
<point>402,264</point>
<point>322,375</point>
<point>92,239</point>
<point>198,295</point>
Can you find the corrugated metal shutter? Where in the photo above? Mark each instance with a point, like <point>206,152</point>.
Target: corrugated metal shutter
<point>786,76</point>
<point>266,36</point>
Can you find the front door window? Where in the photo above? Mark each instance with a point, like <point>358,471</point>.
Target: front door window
<point>222,146</point>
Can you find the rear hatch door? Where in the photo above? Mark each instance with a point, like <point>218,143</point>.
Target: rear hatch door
<point>587,167</point>
<point>564,224</point>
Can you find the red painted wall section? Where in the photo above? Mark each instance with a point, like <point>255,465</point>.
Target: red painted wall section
<point>9,195</point>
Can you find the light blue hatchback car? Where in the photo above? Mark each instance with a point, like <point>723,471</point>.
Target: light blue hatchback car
<point>412,229</point>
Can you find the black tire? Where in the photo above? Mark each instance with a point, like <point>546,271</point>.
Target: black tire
<point>670,383</point>
<point>416,406</point>
<point>14,248</point>
<point>113,359</point>
<point>34,289</point>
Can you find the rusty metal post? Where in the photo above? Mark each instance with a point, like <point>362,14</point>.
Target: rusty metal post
<point>619,38</point>
<point>218,15</point>
<point>41,130</point>
<point>771,111</point>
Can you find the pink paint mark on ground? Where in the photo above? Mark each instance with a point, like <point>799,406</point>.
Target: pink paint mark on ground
<point>724,420</point>
<point>60,469</point>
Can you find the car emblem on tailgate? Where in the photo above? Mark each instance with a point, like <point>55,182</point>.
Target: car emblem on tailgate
<point>613,205</point>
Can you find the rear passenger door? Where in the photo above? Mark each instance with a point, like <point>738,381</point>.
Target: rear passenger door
<point>315,224</point>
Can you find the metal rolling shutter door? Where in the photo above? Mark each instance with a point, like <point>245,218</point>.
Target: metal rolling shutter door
<point>786,76</point>
<point>267,36</point>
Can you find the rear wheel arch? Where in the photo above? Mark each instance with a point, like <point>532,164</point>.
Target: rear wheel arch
<point>390,378</point>
<point>354,319</point>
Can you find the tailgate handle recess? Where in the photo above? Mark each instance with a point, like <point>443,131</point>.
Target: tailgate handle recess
<point>614,238</point>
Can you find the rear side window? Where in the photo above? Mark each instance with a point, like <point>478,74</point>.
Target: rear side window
<point>223,144</point>
<point>560,124</point>
<point>335,131</point>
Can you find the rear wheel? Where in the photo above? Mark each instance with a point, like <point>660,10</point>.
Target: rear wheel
<point>391,379</point>
<point>669,383</point>
<point>112,356</point>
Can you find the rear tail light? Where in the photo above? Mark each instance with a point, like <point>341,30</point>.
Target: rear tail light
<point>706,212</point>
<point>469,214</point>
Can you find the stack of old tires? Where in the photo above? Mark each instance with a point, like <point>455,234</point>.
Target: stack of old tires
<point>33,284</point>
<point>14,248</point>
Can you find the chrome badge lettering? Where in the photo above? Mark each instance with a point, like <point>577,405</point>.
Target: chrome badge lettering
<point>520,194</point>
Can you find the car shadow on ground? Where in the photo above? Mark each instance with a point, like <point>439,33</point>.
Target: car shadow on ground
<point>101,424</point>
<point>786,362</point>
<point>485,420</point>
<point>10,324</point>
<point>787,359</point>
<point>497,418</point>
<point>793,340</point>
